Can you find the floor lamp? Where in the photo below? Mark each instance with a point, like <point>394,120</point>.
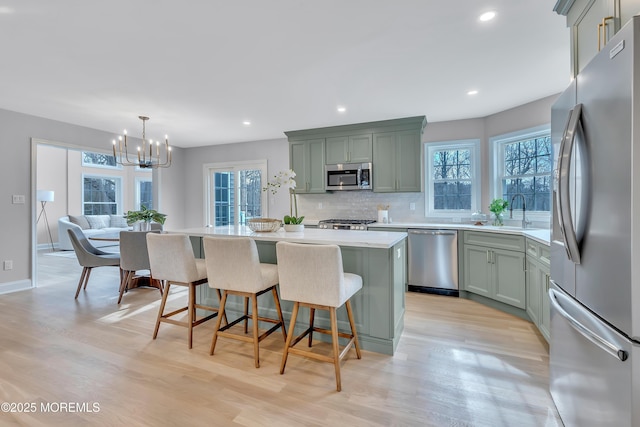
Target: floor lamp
<point>43,197</point>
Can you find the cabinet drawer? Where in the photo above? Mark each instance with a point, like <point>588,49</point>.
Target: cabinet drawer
<point>495,240</point>
<point>539,252</point>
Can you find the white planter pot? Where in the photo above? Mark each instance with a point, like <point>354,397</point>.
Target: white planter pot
<point>294,227</point>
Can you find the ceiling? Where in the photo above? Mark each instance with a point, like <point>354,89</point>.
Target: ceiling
<point>201,68</point>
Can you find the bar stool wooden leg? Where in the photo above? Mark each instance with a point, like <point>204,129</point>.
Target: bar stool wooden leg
<point>254,319</point>
<point>287,344</point>
<point>221,314</point>
<point>276,299</point>
<point>192,312</point>
<point>312,316</point>
<point>161,310</point>
<point>352,323</point>
<point>336,349</point>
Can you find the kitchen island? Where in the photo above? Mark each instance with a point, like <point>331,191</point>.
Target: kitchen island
<point>378,256</point>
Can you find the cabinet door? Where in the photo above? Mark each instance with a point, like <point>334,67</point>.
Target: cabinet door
<point>585,41</point>
<point>337,149</point>
<point>307,161</point>
<point>315,171</point>
<point>545,305</point>
<point>360,148</point>
<point>508,270</point>
<point>477,270</point>
<point>384,160</point>
<point>297,160</point>
<point>628,8</point>
<point>408,160</point>
<point>534,291</point>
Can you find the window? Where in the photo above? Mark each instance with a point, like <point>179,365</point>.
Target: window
<point>99,160</point>
<point>144,193</point>
<point>452,187</point>
<point>524,163</point>
<point>235,192</point>
<point>100,195</point>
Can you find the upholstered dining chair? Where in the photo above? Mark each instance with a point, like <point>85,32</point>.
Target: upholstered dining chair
<point>134,257</point>
<point>233,266</point>
<point>172,261</point>
<point>90,257</point>
<point>312,276</point>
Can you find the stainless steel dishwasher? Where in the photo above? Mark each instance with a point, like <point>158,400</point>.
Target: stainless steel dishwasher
<point>433,261</point>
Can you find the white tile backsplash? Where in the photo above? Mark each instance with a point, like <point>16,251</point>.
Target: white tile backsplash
<point>364,205</point>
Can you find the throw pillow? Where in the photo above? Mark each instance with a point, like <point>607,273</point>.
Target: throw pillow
<point>80,220</point>
<point>96,221</point>
<point>118,221</point>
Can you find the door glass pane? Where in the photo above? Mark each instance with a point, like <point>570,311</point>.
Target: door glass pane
<point>224,198</point>
<point>250,186</point>
<point>146,195</point>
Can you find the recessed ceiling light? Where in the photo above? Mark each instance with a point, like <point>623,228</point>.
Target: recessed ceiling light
<point>342,109</point>
<point>472,92</point>
<point>487,16</point>
<point>5,10</point>
<point>246,123</point>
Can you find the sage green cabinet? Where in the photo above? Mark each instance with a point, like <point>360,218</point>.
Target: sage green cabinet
<point>593,23</point>
<point>537,280</point>
<point>349,149</point>
<point>307,161</point>
<point>396,162</point>
<point>494,267</point>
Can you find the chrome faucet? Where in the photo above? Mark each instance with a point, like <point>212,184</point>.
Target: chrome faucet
<point>524,210</point>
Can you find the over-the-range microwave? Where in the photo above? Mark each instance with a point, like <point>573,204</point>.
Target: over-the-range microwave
<point>348,176</point>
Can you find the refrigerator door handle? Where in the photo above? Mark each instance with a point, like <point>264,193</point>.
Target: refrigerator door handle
<point>562,195</point>
<point>611,349</point>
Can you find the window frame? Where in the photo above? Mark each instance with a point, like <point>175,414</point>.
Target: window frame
<point>139,180</point>
<point>98,166</point>
<point>473,145</point>
<point>118,181</point>
<point>209,187</point>
<point>498,144</point>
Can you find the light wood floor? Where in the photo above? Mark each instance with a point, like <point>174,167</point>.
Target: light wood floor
<point>458,363</point>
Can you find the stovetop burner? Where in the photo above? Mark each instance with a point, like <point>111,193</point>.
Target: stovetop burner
<point>345,224</point>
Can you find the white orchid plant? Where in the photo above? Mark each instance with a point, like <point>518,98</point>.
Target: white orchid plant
<point>285,179</point>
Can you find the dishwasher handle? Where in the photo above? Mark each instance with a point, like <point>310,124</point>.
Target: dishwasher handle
<point>432,232</point>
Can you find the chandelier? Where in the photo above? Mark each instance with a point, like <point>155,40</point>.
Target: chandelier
<point>147,159</point>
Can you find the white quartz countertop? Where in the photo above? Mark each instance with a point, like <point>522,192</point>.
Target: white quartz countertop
<point>539,234</point>
<point>359,239</point>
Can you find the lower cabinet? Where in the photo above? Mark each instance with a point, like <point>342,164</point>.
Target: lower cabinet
<point>537,280</point>
<point>495,273</point>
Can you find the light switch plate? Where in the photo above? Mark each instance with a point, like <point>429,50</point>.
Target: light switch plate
<point>18,199</point>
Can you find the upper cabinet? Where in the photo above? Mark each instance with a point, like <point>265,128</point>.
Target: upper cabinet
<point>593,23</point>
<point>397,162</point>
<point>392,146</point>
<point>307,161</point>
<point>348,149</point>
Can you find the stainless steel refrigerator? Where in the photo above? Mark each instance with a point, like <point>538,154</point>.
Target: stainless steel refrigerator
<point>595,244</point>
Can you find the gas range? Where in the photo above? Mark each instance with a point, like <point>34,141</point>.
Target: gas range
<point>345,224</point>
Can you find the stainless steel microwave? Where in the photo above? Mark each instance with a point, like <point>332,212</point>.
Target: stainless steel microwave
<point>348,176</point>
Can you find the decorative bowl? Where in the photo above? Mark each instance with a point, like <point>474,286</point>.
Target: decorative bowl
<point>260,225</point>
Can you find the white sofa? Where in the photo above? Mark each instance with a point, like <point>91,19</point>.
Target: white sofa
<point>91,225</point>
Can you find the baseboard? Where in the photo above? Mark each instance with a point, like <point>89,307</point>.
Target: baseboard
<point>19,285</point>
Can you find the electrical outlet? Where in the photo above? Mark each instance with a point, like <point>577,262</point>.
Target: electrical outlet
<point>320,205</point>
<point>18,199</point>
<point>412,206</point>
<point>456,219</point>
<point>7,265</point>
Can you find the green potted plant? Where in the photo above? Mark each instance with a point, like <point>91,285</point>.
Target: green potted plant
<point>285,179</point>
<point>146,216</point>
<point>498,206</point>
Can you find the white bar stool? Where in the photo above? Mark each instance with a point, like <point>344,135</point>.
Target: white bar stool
<point>233,266</point>
<point>313,276</point>
<point>172,261</point>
